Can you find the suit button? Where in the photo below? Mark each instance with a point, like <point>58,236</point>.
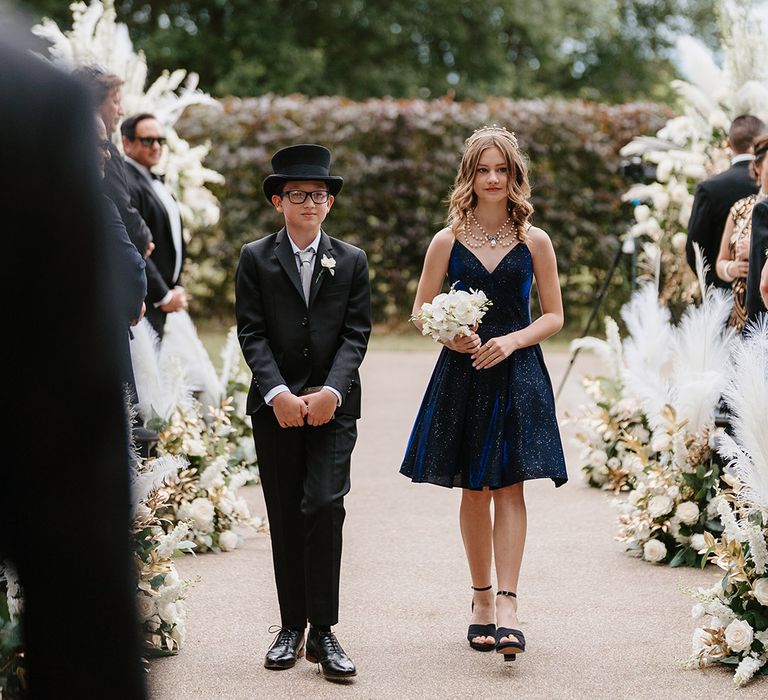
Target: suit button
<point>304,321</point>
<point>305,352</point>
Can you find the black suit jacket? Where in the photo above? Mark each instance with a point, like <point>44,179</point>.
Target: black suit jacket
<point>116,188</point>
<point>757,251</point>
<point>286,342</point>
<point>64,354</point>
<point>161,264</point>
<point>711,203</point>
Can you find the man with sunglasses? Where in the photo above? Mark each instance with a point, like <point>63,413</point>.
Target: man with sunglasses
<point>143,143</point>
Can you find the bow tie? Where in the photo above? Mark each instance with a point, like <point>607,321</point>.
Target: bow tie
<point>155,176</point>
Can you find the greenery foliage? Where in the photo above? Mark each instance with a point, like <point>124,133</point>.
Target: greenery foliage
<point>612,51</point>
<point>399,160</point>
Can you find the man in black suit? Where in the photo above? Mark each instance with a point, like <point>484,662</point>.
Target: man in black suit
<point>143,142</point>
<point>106,92</point>
<point>131,271</point>
<point>304,318</point>
<point>715,197</point>
<point>66,446</point>
<point>758,249</point>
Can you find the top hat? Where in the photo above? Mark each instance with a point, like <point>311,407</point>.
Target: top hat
<point>306,161</point>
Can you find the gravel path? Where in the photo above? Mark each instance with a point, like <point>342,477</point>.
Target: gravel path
<point>599,623</point>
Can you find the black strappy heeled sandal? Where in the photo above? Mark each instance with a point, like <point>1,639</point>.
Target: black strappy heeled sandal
<point>480,630</point>
<point>516,645</point>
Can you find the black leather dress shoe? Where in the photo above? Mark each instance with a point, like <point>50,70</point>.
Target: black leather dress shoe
<point>323,648</point>
<point>287,647</point>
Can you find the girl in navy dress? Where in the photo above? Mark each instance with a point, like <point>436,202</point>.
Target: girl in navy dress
<point>487,422</point>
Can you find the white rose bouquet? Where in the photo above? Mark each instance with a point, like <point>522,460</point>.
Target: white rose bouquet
<point>452,314</point>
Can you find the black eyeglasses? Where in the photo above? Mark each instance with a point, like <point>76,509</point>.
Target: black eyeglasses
<point>149,140</point>
<point>103,145</point>
<point>300,196</point>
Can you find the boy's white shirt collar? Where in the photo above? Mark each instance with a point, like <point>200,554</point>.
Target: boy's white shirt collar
<point>315,245</point>
<point>741,158</point>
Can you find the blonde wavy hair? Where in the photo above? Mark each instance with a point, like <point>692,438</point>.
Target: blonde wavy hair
<point>463,197</point>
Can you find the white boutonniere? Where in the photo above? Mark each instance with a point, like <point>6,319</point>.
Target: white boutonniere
<point>327,263</point>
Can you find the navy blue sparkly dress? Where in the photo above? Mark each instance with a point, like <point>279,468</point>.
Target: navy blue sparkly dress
<point>491,427</point>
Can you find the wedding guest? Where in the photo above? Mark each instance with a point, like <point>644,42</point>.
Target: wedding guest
<point>106,91</point>
<point>757,277</point>
<point>714,197</point>
<point>64,496</point>
<point>143,142</point>
<point>303,317</point>
<point>487,422</point>
<point>733,259</point>
<point>131,275</point>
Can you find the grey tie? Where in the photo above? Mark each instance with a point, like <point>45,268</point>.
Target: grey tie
<point>306,258</point>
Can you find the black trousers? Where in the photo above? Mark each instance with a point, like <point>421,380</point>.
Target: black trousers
<point>156,319</point>
<point>305,476</point>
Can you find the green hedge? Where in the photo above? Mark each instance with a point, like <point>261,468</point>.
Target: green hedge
<point>398,159</point>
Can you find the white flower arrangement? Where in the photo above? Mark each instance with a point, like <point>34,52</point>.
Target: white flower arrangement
<point>97,38</point>
<point>452,314</point>
<point>733,617</point>
<point>692,145</point>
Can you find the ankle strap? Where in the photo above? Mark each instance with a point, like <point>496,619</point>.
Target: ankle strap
<point>487,588</point>
<point>509,593</point>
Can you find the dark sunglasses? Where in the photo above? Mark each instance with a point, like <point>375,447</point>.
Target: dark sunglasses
<point>149,140</point>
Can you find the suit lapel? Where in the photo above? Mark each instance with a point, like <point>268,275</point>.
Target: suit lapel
<point>320,273</point>
<point>287,260</point>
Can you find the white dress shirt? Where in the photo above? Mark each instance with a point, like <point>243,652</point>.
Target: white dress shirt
<point>741,158</point>
<point>280,388</point>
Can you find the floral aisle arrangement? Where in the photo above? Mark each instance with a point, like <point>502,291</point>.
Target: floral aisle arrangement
<point>97,38</point>
<point>452,314</point>
<point>13,682</point>
<point>234,381</point>
<point>611,424</point>
<point>206,492</point>
<point>732,617</point>
<point>161,603</point>
<point>654,416</point>
<point>692,145</point>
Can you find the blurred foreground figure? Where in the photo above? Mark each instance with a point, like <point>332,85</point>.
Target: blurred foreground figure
<point>64,496</point>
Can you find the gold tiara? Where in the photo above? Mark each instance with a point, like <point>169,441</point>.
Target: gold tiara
<point>493,129</point>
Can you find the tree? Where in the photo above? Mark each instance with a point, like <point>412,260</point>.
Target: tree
<point>614,50</point>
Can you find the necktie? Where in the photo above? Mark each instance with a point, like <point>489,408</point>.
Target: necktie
<point>306,258</point>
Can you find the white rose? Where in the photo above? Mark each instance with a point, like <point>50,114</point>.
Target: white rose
<point>599,476</point>
<point>739,635</point>
<point>171,579</point>
<point>659,505</point>
<point>201,511</point>
<point>225,506</point>
<point>146,606</point>
<point>169,613</point>
<point>227,541</point>
<point>697,611</point>
<point>642,213</point>
<point>598,458</point>
<point>688,512</point>
<point>698,542</point>
<point>653,550</point>
<point>760,589</point>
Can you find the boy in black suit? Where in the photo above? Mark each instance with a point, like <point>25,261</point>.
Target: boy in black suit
<point>715,197</point>
<point>304,318</point>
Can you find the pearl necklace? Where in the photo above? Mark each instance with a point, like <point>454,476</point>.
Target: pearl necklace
<point>502,236</point>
